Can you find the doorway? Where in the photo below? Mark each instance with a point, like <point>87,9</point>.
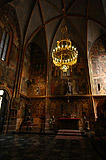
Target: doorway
<point>4,99</point>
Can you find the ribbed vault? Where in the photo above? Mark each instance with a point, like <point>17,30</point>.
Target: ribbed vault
<point>35,14</point>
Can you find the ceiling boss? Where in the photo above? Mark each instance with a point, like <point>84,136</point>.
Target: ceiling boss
<point>64,55</point>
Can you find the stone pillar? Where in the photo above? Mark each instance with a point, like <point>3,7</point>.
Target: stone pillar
<point>48,80</point>
<point>47,116</point>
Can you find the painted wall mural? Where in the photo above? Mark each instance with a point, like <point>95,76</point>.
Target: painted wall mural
<point>71,108</point>
<point>25,74</point>
<point>33,79</point>
<point>38,108</point>
<point>7,72</point>
<point>75,80</point>
<point>33,113</point>
<point>98,66</point>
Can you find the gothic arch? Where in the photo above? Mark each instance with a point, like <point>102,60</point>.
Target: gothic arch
<point>2,87</point>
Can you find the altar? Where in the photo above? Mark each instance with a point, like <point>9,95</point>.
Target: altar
<point>69,123</point>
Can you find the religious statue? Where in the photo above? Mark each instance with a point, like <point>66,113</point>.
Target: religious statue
<point>69,89</point>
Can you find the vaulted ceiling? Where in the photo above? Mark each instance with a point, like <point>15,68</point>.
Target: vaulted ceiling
<point>45,18</point>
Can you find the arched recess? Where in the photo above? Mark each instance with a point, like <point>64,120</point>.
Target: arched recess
<point>98,66</point>
<point>3,87</point>
<point>33,79</point>
<point>5,97</point>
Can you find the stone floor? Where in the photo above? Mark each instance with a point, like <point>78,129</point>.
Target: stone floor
<point>64,146</point>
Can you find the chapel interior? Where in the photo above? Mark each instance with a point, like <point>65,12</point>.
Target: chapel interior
<point>36,95</point>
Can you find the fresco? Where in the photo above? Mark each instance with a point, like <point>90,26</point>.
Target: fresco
<point>25,74</point>
<point>98,66</point>
<point>60,108</point>
<point>33,80</point>
<point>77,79</point>
<point>7,75</point>
<point>71,108</point>
<point>38,108</point>
<point>7,72</point>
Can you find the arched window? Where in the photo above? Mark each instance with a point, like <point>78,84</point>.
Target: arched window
<point>5,43</point>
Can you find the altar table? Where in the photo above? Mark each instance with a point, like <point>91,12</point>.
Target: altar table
<point>69,123</point>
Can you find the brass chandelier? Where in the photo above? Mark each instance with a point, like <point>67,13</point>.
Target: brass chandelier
<point>64,55</point>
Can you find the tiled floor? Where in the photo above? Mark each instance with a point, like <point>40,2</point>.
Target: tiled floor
<point>47,147</point>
